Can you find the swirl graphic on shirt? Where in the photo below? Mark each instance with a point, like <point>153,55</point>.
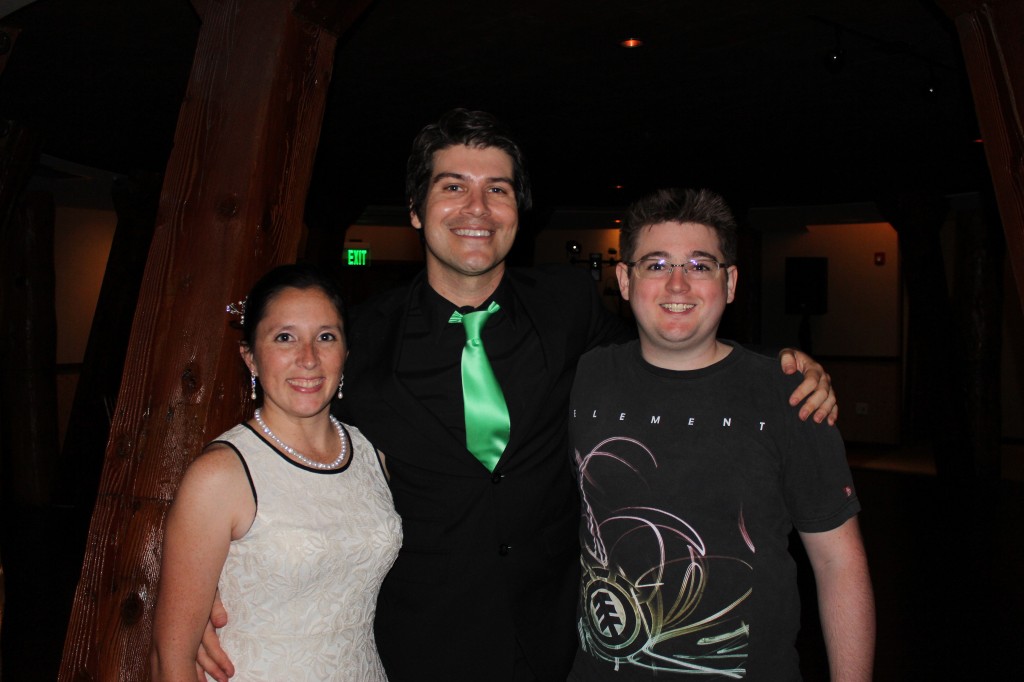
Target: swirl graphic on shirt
<point>645,571</point>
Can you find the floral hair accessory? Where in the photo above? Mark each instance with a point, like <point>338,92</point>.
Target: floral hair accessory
<point>238,309</point>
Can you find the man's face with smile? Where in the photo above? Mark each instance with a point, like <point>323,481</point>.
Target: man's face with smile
<point>470,215</point>
<point>677,315</point>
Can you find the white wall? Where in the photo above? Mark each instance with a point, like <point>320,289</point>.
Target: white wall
<point>82,242</point>
<point>863,317</point>
<point>549,248</point>
<point>386,243</point>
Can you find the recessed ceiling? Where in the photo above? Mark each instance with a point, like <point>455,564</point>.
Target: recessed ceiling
<point>732,94</point>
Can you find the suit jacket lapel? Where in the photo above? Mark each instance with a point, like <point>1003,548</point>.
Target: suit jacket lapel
<point>424,427</point>
<point>547,320</point>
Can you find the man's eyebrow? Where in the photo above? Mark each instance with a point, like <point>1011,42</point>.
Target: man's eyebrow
<point>447,174</point>
<point>667,256</point>
<point>444,175</point>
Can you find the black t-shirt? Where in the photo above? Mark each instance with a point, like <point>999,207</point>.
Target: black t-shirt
<point>690,484</point>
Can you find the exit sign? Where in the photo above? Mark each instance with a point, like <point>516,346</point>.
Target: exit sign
<point>357,257</point>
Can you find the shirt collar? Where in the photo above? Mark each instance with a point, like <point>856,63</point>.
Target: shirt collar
<point>436,310</point>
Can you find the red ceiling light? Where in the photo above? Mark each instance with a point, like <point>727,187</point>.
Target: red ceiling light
<point>631,42</point>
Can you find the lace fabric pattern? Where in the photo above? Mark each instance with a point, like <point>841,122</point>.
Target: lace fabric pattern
<point>301,587</point>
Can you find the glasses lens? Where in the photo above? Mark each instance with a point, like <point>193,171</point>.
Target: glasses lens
<point>653,268</point>
<point>659,268</point>
<point>701,268</point>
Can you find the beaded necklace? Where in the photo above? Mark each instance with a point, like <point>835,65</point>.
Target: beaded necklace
<point>298,455</point>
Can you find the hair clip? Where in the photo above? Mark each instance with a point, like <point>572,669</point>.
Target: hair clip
<point>238,309</point>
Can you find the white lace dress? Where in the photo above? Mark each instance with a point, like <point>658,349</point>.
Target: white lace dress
<point>301,587</point>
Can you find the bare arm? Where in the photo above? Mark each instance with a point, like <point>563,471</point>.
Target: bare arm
<point>384,465</point>
<point>816,387</point>
<point>213,506</point>
<point>211,658</point>
<point>846,602</point>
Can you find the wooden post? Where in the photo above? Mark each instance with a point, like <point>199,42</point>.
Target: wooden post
<point>3,596</point>
<point>8,36</point>
<point>81,459</point>
<point>977,304</point>
<point>231,207</point>
<point>990,35</point>
<point>28,348</point>
<point>934,383</point>
<point>27,324</point>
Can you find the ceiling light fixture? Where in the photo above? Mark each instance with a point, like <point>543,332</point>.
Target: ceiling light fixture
<point>835,59</point>
<point>629,43</point>
<point>931,87</point>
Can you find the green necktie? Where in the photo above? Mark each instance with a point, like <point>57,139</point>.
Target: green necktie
<point>487,423</point>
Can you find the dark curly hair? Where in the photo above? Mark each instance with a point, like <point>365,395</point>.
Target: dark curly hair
<point>462,127</point>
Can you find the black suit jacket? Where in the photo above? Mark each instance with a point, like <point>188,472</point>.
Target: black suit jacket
<point>487,559</point>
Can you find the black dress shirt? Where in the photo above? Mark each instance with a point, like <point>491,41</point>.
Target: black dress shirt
<point>430,363</point>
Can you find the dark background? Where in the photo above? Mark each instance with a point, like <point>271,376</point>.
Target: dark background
<point>736,95</point>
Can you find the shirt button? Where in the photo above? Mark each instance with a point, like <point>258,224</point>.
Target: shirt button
<point>504,550</point>
<point>496,477</point>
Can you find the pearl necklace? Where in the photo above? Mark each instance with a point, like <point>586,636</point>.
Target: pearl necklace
<point>298,455</point>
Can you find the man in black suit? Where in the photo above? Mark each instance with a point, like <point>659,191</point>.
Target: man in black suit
<point>484,587</point>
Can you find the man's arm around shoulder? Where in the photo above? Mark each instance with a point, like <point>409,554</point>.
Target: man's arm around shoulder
<point>846,602</point>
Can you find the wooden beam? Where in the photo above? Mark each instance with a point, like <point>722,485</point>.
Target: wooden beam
<point>27,325</point>
<point>231,207</point>
<point>334,16</point>
<point>81,460</point>
<point>990,34</point>
<point>8,36</point>
<point>28,346</point>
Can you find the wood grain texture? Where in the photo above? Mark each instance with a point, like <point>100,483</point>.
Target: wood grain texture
<point>8,37</point>
<point>990,34</point>
<point>334,16</point>
<point>28,347</point>
<point>231,208</point>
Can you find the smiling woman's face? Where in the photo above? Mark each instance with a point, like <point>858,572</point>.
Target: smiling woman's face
<point>298,352</point>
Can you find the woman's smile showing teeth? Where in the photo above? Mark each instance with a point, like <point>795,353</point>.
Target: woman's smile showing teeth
<point>306,385</point>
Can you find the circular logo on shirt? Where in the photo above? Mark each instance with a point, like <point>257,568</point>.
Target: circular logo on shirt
<point>616,619</point>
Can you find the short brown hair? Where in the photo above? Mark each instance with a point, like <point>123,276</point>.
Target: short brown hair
<point>679,205</point>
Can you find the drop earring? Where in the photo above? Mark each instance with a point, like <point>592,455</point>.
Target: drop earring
<point>252,376</point>
<point>340,385</point>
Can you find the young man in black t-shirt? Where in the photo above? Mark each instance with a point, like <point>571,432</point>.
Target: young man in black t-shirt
<point>693,469</point>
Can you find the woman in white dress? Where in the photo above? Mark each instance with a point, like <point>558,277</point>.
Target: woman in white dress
<point>288,515</point>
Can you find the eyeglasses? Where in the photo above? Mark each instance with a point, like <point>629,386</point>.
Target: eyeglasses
<point>659,268</point>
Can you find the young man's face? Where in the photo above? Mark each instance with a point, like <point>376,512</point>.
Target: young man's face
<point>678,315</point>
<point>470,215</point>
